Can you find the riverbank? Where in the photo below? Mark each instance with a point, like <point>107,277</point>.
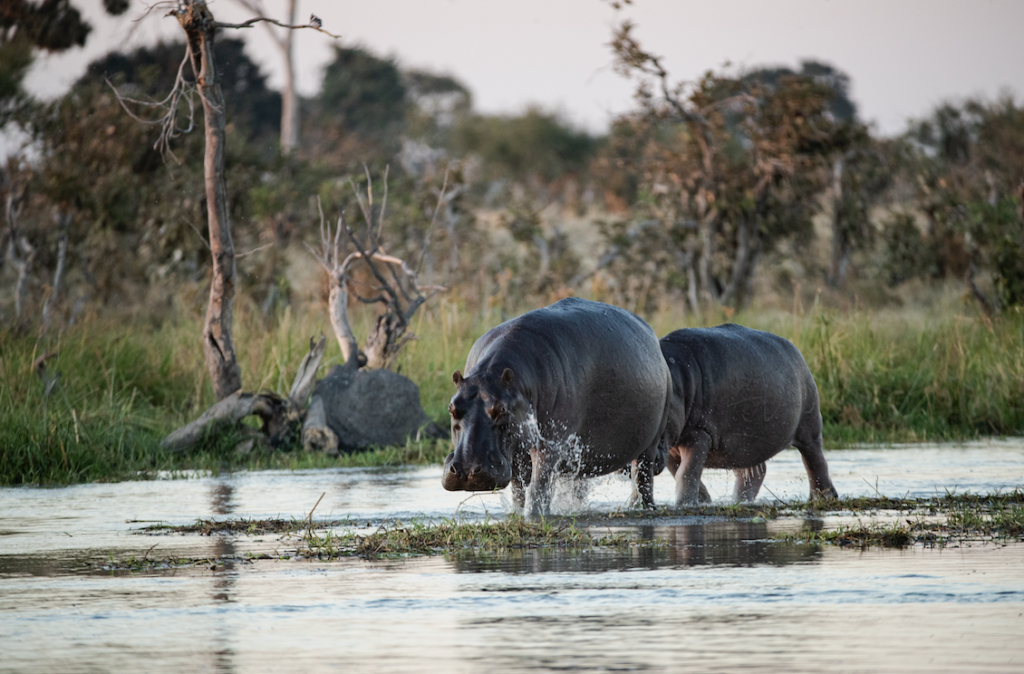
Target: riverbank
<point>93,401</point>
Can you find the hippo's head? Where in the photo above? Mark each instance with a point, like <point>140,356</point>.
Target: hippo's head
<point>485,411</point>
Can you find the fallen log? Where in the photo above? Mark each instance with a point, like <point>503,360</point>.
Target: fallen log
<point>280,416</point>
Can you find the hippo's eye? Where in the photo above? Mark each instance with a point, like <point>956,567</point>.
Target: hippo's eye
<point>456,412</point>
<point>498,414</point>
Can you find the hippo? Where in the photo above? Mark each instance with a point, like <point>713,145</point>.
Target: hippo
<point>577,388</point>
<point>739,397</point>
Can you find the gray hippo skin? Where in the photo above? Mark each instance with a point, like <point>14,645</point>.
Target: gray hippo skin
<point>578,388</point>
<point>739,397</point>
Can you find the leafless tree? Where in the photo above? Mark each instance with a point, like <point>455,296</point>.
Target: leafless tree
<point>289,98</point>
<point>63,218</point>
<point>22,253</point>
<point>397,287</point>
<point>200,28</point>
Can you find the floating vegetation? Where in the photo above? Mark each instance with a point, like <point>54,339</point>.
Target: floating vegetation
<point>884,535</point>
<point>451,535</point>
<point>938,521</point>
<point>248,527</point>
<point>935,521</point>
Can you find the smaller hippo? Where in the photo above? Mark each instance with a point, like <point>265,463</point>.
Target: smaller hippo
<point>739,397</point>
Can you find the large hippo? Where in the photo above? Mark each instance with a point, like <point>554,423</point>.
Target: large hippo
<point>578,388</point>
<point>739,397</point>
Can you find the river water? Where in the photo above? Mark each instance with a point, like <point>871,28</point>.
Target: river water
<point>721,596</point>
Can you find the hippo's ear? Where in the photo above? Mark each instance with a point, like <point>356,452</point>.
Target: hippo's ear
<point>507,377</point>
<point>456,377</point>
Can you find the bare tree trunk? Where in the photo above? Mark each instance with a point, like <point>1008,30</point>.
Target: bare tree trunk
<point>64,221</point>
<point>23,263</point>
<point>289,99</point>
<point>337,304</point>
<point>691,286</point>
<point>840,241</point>
<point>745,292</point>
<point>199,25</point>
<point>706,218</point>
<point>317,435</point>
<point>545,257</point>
<point>743,265</point>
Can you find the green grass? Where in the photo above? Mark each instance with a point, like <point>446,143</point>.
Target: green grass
<point>952,518</point>
<point>452,535</point>
<point>127,382</point>
<point>881,535</point>
<point>909,378</point>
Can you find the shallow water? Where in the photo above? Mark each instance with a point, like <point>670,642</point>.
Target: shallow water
<point>719,597</point>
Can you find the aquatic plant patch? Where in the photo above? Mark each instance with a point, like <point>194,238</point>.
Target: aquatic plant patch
<point>950,519</point>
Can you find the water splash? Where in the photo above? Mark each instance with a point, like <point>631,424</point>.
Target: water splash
<point>569,490</point>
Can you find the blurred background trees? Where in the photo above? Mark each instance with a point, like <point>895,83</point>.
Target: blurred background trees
<point>743,186</point>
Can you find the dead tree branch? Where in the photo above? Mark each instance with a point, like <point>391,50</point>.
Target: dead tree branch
<point>252,22</point>
<point>168,121</point>
<point>402,295</point>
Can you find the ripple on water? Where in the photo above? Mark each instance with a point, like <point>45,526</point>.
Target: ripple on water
<point>718,596</point>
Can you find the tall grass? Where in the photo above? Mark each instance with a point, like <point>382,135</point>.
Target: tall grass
<point>903,378</point>
<point>125,383</point>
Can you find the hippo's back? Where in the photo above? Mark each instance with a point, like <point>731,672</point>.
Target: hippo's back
<point>735,352</point>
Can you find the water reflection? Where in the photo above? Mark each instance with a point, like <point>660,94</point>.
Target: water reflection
<point>704,543</point>
<point>224,578</point>
<point>221,497</point>
<point>687,602</point>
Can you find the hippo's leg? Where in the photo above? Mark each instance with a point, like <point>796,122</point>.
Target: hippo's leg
<point>642,477</point>
<point>538,494</point>
<point>705,495</point>
<point>693,452</point>
<point>748,482</point>
<point>673,465</point>
<point>520,478</point>
<point>644,480</point>
<point>518,493</point>
<point>815,465</point>
<point>631,472</point>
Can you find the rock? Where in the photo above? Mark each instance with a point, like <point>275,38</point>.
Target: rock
<point>366,408</point>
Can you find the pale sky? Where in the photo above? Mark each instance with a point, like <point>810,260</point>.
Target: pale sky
<point>903,56</point>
